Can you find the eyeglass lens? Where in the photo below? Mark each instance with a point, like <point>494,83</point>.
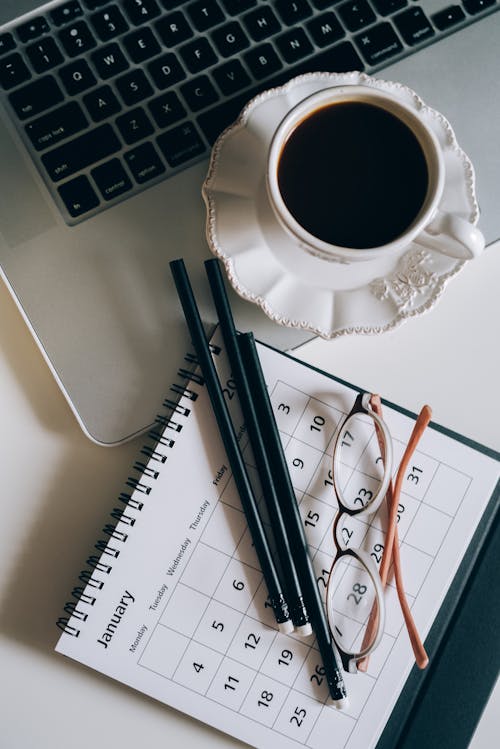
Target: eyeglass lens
<point>352,604</point>
<point>358,464</point>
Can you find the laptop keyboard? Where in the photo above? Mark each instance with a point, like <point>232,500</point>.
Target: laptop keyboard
<point>113,97</point>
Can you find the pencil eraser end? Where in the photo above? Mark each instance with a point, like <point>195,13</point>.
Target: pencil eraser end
<point>286,628</point>
<point>341,704</point>
<point>304,630</point>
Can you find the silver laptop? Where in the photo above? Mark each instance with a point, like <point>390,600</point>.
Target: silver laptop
<point>108,112</point>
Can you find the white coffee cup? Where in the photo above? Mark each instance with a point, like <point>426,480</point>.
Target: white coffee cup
<point>432,228</point>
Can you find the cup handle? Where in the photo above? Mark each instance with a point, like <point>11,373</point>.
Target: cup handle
<point>453,236</point>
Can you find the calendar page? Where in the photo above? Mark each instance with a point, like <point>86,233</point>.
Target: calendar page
<point>176,605</point>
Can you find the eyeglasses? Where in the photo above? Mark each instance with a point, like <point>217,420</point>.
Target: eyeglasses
<point>362,478</point>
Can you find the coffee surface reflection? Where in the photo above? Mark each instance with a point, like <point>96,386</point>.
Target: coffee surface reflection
<point>353,175</point>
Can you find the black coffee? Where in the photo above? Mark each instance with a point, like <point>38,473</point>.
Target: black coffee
<point>353,175</point>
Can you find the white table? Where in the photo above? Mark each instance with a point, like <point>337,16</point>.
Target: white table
<point>56,489</point>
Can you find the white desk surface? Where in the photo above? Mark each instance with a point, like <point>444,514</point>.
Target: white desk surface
<point>56,487</point>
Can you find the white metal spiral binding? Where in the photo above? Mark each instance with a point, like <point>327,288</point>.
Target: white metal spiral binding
<point>100,566</point>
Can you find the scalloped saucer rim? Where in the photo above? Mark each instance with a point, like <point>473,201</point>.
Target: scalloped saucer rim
<point>390,292</point>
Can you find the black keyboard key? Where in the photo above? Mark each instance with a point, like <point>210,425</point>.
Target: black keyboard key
<point>174,29</point>
<point>378,43</point>
<point>413,25</point>
<point>7,43</point>
<point>263,61</point>
<point>199,93</point>
<point>356,14</point>
<point>231,77</point>
<point>205,13</point>
<point>338,59</point>
<point>230,39</point>
<point>134,125</point>
<point>476,6</point>
<point>166,71</point>
<point>141,11</point>
<point>141,45</point>
<point>261,23</point>
<point>236,7</point>
<point>293,11</point>
<point>78,196</point>
<point>77,77</point>
<point>181,144</point>
<point>44,54</point>
<point>77,38</point>
<point>449,16</point>
<point>109,61</point>
<point>13,71</point>
<point>81,152</point>
<point>57,125</point>
<point>294,45</point>
<point>322,4</point>
<point>198,55</point>
<point>101,103</point>
<point>144,163</point>
<point>109,23</point>
<point>35,97</point>
<point>66,13</point>
<point>32,29</point>
<point>215,120</point>
<point>111,179</point>
<point>167,109</point>
<point>325,29</point>
<point>388,7</point>
<point>133,87</point>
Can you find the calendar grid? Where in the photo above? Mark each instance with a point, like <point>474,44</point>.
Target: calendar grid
<point>252,685</point>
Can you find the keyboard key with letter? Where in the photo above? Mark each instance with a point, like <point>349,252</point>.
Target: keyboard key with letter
<point>35,97</point>
<point>413,25</point>
<point>378,43</point>
<point>57,125</point>
<point>101,103</point>
<point>181,144</point>
<point>111,179</point>
<point>134,125</point>
<point>144,163</point>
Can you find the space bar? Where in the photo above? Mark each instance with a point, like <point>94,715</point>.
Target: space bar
<point>340,59</point>
<point>81,152</point>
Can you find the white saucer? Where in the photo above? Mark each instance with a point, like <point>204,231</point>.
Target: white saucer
<point>291,286</point>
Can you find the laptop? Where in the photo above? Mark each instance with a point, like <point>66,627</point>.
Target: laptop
<point>108,112</point>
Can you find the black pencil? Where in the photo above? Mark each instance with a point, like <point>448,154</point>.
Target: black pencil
<point>290,580</point>
<point>230,441</point>
<point>295,529</point>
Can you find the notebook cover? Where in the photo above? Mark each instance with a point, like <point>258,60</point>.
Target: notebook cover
<point>464,649</point>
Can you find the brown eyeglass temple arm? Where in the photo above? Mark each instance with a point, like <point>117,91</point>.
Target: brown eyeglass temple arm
<point>391,547</point>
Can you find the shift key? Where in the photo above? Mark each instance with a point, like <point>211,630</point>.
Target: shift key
<point>81,152</point>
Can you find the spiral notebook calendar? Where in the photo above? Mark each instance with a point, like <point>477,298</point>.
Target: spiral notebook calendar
<point>172,602</point>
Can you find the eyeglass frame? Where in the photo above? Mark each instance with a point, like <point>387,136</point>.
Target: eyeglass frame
<point>361,405</point>
<point>372,406</point>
